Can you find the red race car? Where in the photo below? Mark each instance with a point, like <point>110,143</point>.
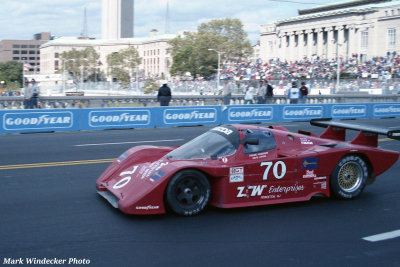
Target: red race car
<point>241,165</point>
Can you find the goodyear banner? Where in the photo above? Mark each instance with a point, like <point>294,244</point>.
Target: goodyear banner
<point>302,112</point>
<point>187,116</point>
<point>94,119</point>
<point>23,121</point>
<point>249,113</point>
<point>20,121</point>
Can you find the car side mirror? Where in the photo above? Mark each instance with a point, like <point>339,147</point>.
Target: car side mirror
<point>252,141</point>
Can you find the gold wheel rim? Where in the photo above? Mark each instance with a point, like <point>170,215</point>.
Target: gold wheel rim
<point>350,177</point>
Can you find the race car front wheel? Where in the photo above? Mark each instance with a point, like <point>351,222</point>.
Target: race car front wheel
<point>349,177</point>
<point>188,192</point>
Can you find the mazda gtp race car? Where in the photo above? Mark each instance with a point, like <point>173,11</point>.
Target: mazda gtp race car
<point>241,165</point>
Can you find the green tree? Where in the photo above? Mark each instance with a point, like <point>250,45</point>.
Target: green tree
<point>122,64</point>
<point>11,74</point>
<point>80,63</point>
<point>191,53</point>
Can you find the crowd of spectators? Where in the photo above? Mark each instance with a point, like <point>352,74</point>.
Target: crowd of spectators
<point>378,67</point>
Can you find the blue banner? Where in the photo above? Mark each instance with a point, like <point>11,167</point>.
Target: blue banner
<point>38,120</point>
<point>302,112</point>
<point>183,116</point>
<point>93,119</point>
<point>252,113</point>
<point>385,110</point>
<point>349,111</point>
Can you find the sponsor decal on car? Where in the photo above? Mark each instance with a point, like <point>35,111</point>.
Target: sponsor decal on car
<point>223,130</point>
<point>309,163</point>
<point>236,174</point>
<point>264,191</point>
<point>305,141</point>
<point>149,207</point>
<point>309,174</point>
<point>157,175</point>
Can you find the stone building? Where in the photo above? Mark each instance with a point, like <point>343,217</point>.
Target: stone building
<point>362,29</point>
<point>156,60</point>
<point>25,51</point>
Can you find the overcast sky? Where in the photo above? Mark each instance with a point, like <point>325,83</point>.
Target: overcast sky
<point>20,19</point>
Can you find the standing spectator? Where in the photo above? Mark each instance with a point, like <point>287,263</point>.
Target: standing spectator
<point>269,91</point>
<point>249,95</point>
<point>294,93</point>
<point>35,94</point>
<point>27,94</point>
<point>227,91</point>
<point>261,93</point>
<point>164,95</point>
<point>304,92</point>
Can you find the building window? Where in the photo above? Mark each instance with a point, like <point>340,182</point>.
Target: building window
<point>15,52</point>
<point>32,46</point>
<point>391,38</point>
<point>15,58</point>
<point>32,58</point>
<point>364,39</point>
<point>32,52</point>
<point>24,52</point>
<point>16,46</point>
<point>56,55</point>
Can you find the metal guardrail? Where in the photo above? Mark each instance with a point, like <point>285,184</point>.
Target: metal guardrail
<point>51,102</point>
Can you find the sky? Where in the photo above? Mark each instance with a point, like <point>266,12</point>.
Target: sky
<point>21,19</point>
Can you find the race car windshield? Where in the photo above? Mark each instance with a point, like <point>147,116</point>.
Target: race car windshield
<point>213,143</point>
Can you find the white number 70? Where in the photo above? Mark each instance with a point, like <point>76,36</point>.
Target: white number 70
<point>274,169</point>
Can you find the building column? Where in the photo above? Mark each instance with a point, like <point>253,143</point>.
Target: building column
<point>340,41</point>
<point>310,43</point>
<point>291,47</point>
<point>352,42</point>
<point>320,43</point>
<point>330,44</point>
<point>302,42</point>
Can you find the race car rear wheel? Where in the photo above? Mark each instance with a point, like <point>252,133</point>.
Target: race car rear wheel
<point>349,177</point>
<point>188,192</point>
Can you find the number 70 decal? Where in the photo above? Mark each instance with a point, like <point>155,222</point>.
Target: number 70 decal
<point>275,169</point>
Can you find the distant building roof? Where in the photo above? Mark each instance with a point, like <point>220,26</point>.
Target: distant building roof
<point>87,42</point>
<point>340,5</point>
<point>341,8</point>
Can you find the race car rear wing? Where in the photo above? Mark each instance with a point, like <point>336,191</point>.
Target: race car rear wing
<point>367,136</point>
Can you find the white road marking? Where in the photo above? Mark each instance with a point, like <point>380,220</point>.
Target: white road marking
<point>383,236</point>
<point>136,142</point>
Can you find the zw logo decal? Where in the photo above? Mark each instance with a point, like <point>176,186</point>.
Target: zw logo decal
<point>255,190</point>
<point>124,181</point>
<point>275,170</point>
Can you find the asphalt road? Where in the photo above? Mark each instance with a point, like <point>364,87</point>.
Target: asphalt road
<point>50,209</point>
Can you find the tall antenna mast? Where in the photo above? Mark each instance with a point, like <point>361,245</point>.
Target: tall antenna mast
<point>167,19</point>
<point>84,32</point>
<point>133,26</point>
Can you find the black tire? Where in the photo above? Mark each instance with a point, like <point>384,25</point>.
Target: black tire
<point>349,177</point>
<point>188,192</point>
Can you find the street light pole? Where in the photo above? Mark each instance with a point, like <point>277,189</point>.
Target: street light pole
<point>219,61</point>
